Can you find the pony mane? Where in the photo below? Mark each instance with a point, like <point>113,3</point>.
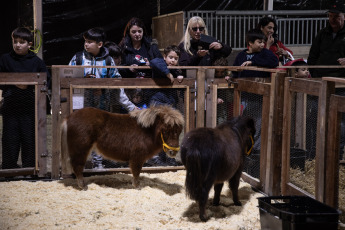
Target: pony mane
<point>147,117</point>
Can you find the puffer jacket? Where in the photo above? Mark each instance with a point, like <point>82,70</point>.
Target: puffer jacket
<point>101,60</point>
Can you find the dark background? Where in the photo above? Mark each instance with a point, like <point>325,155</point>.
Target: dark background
<point>64,21</point>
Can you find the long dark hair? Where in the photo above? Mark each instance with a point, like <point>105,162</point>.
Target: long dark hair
<point>132,22</point>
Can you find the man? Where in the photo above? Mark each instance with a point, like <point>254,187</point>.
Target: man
<point>328,47</point>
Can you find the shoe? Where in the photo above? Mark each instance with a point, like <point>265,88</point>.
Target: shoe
<point>98,166</point>
<point>172,162</point>
<point>155,161</point>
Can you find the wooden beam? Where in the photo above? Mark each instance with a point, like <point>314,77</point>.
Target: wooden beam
<point>37,5</point>
<point>327,88</point>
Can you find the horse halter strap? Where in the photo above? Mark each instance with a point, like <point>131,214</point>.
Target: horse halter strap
<point>251,148</point>
<point>166,146</point>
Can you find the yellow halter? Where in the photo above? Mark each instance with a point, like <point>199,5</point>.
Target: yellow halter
<point>250,150</point>
<point>166,147</point>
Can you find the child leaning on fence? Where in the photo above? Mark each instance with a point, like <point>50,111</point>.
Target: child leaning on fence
<point>165,96</point>
<point>94,55</point>
<point>18,111</point>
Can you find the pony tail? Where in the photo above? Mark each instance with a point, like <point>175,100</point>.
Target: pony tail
<point>65,159</point>
<point>194,176</point>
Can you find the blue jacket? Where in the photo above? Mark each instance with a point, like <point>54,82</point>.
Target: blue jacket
<point>100,60</point>
<point>163,96</point>
<point>265,58</point>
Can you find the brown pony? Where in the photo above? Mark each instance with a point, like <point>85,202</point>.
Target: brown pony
<point>212,156</point>
<point>133,138</point>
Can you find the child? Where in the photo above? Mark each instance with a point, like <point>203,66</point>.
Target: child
<point>18,111</point>
<point>119,94</point>
<point>298,72</point>
<point>95,54</point>
<point>255,55</point>
<point>171,56</point>
<point>225,96</point>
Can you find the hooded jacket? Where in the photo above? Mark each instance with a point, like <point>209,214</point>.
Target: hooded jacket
<point>101,60</point>
<point>18,100</point>
<point>326,50</point>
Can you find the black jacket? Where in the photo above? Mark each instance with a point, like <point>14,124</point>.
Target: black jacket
<point>18,100</point>
<point>129,55</point>
<point>326,50</point>
<point>194,60</point>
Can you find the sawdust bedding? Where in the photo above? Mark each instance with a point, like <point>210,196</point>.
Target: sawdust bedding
<point>112,203</point>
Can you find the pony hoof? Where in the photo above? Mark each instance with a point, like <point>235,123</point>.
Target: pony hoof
<point>238,203</point>
<point>203,218</point>
<point>82,186</point>
<point>215,203</point>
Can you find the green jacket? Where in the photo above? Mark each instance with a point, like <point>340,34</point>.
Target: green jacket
<point>326,50</point>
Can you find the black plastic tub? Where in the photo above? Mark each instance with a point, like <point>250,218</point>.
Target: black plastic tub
<point>296,213</point>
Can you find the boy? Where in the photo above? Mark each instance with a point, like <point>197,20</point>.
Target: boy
<point>18,111</point>
<point>95,54</point>
<point>160,69</point>
<point>298,72</point>
<point>255,55</point>
<point>171,56</point>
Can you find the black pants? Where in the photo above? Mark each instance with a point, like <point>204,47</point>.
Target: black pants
<point>18,134</point>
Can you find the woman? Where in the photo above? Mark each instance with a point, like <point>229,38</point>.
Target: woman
<point>138,49</point>
<point>194,51</point>
<point>268,27</point>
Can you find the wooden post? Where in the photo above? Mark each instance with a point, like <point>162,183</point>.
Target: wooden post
<point>332,159</point>
<point>56,145</point>
<point>274,150</point>
<point>200,95</point>
<point>41,127</point>
<point>327,88</point>
<point>37,5</point>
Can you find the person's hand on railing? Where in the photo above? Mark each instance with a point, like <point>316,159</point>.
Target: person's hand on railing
<point>247,63</point>
<point>171,77</point>
<point>341,61</point>
<point>180,78</point>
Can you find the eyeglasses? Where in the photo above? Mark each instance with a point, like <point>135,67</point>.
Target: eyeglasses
<point>196,29</point>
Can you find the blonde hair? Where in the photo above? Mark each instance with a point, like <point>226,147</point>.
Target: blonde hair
<point>186,39</point>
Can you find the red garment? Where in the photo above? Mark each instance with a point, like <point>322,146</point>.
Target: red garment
<point>274,48</point>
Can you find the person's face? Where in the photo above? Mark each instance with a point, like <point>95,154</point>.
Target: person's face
<point>219,73</point>
<point>302,73</point>
<point>196,30</point>
<point>92,47</point>
<point>136,33</point>
<point>336,20</point>
<point>268,29</point>
<point>21,46</point>
<point>137,99</point>
<point>257,46</point>
<point>171,59</point>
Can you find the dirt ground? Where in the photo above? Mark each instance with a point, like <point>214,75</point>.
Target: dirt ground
<point>112,203</point>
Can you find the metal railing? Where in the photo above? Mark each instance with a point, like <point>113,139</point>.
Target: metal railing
<point>295,28</point>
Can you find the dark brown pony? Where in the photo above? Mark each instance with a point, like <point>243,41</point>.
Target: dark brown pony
<point>133,138</point>
<point>212,156</point>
